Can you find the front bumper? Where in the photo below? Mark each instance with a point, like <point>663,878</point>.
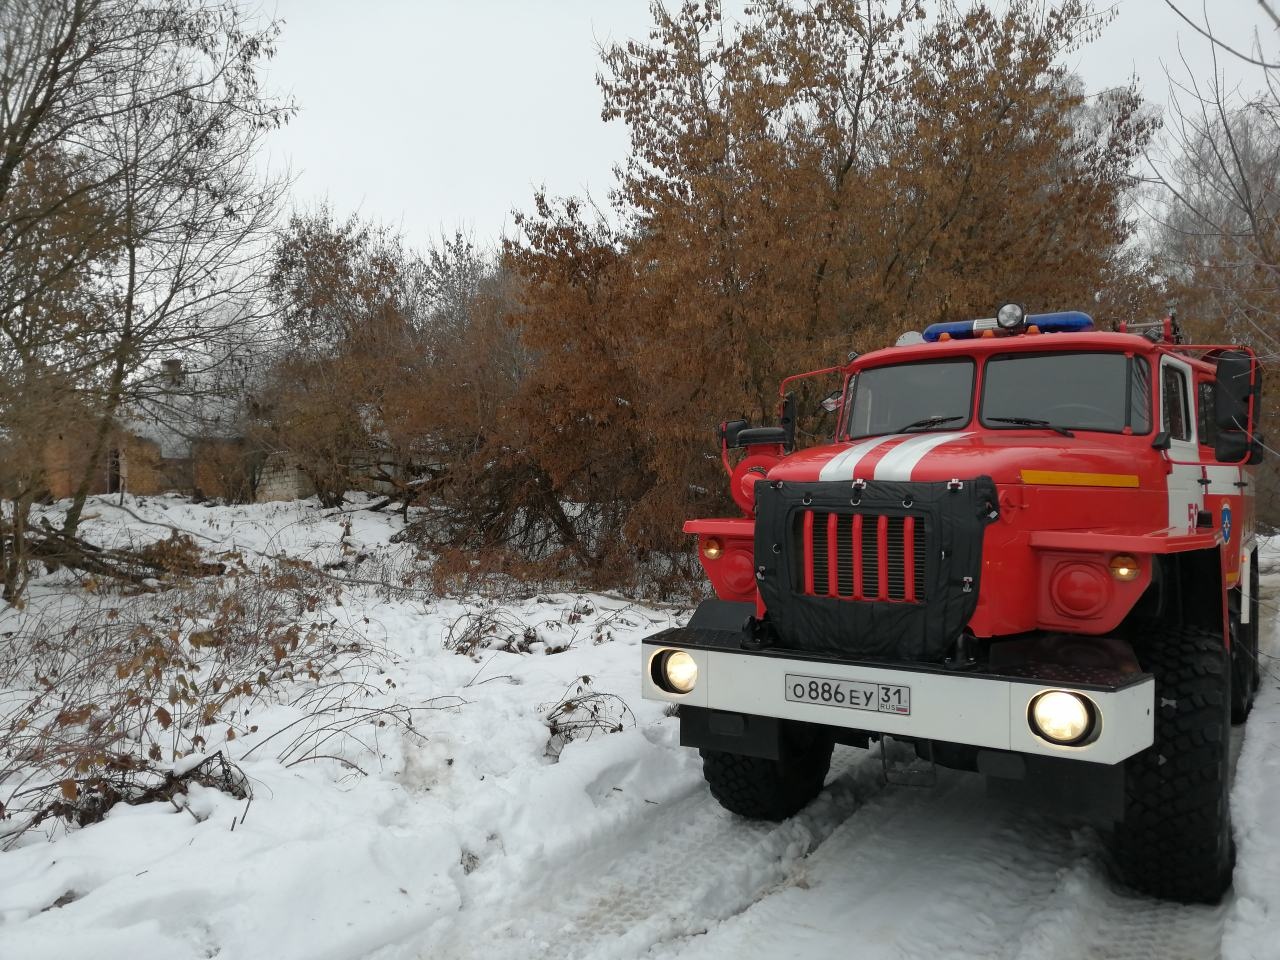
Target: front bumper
<point>979,709</point>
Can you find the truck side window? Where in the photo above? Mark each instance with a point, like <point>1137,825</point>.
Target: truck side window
<point>1139,395</point>
<point>1176,420</point>
<point>1208,427</point>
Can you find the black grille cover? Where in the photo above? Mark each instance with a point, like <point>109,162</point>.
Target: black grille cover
<point>949,520</point>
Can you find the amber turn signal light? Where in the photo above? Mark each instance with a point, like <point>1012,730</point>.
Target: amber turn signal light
<point>1124,567</point>
<point>712,548</point>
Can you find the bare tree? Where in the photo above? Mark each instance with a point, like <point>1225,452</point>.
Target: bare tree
<point>1217,208</point>
<point>132,218</point>
<point>193,218</point>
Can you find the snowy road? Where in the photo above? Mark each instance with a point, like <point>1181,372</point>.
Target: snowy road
<point>870,870</point>
<point>945,872</point>
<point>923,866</point>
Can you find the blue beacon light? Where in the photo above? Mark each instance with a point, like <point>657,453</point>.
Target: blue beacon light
<point>1064,321</point>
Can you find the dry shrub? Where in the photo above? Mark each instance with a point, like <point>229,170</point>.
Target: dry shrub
<point>496,628</point>
<point>582,713</point>
<point>393,574</point>
<point>178,556</point>
<point>102,694</point>
<point>504,573</point>
<point>87,800</point>
<point>335,725</point>
<point>497,575</point>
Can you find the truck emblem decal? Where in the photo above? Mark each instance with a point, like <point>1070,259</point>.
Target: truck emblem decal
<point>1226,521</point>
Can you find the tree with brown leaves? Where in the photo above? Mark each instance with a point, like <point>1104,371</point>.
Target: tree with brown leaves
<point>820,178</point>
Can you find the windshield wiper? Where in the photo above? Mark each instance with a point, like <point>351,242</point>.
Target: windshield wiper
<point>1031,422</point>
<point>927,422</point>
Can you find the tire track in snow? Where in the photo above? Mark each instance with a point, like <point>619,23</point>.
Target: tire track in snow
<point>917,872</point>
<point>689,866</point>
<point>949,872</point>
<point>1097,921</point>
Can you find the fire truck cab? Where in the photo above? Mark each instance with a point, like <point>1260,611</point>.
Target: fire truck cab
<point>1028,549</point>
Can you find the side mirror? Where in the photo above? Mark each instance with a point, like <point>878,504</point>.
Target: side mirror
<point>831,402</point>
<point>1236,447</point>
<point>729,432</point>
<point>740,433</point>
<point>762,435</point>
<point>1237,402</point>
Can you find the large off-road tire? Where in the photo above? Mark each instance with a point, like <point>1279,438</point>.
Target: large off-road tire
<point>1245,675</point>
<point>763,789</point>
<point>1175,840</point>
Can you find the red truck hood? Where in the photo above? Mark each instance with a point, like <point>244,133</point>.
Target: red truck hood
<point>1003,456</point>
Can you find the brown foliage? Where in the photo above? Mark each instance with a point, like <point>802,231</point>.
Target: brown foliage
<point>817,179</point>
<point>820,180</point>
<point>337,401</point>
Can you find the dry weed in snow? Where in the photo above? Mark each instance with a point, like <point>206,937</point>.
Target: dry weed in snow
<point>582,713</point>
<point>498,628</point>
<point>100,695</point>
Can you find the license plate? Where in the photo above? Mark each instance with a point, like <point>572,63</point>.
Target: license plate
<point>852,694</point>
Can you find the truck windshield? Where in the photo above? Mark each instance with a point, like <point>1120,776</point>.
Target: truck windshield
<point>912,397</point>
<point>1082,391</point>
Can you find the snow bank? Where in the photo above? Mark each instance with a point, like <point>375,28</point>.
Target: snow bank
<point>1253,924</point>
<point>322,863</point>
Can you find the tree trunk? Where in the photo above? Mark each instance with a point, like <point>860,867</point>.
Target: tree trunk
<point>114,392</point>
<point>13,548</point>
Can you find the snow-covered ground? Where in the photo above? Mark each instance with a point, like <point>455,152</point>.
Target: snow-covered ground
<point>472,842</point>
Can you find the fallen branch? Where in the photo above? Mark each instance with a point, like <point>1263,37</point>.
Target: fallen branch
<point>162,560</point>
<point>86,800</point>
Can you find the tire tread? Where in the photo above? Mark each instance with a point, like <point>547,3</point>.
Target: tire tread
<point>1175,841</point>
<point>763,789</point>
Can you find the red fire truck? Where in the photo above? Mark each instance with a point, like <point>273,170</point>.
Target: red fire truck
<point>1028,549</point>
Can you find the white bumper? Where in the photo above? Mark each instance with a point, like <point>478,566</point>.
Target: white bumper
<point>980,710</point>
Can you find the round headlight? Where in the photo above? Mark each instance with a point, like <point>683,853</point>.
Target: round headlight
<point>1061,717</point>
<point>712,548</point>
<point>1011,316</point>
<point>676,672</point>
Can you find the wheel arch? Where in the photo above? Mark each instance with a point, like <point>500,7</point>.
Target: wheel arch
<point>1188,589</point>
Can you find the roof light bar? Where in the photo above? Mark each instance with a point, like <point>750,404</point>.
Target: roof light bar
<point>1064,321</point>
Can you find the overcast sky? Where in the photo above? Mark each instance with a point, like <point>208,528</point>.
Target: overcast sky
<point>432,115</point>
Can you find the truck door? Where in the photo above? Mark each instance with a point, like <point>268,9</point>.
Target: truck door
<point>1226,496</point>
<point>1186,493</point>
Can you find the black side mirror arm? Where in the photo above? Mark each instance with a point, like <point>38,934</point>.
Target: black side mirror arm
<point>787,421</point>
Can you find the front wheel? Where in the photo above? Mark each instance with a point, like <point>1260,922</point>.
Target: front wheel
<point>763,789</point>
<point>1175,839</point>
